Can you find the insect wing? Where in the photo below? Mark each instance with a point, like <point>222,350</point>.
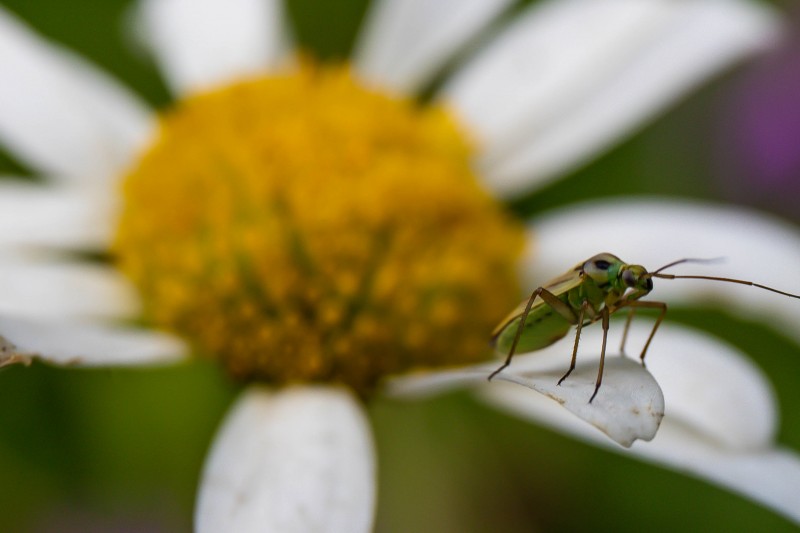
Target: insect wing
<point>558,286</point>
<point>565,282</point>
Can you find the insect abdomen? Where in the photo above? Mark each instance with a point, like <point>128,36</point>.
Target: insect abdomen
<point>543,327</point>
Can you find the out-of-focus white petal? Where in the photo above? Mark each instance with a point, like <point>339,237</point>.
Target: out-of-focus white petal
<point>703,38</point>
<point>424,384</point>
<point>203,43</point>
<point>33,215</point>
<point>405,41</point>
<point>573,76</point>
<point>82,344</point>
<point>296,460</point>
<point>719,421</point>
<point>753,246</point>
<point>60,115</point>
<point>46,288</point>
<point>769,475</point>
<point>546,60</point>
<point>710,388</point>
<point>629,404</point>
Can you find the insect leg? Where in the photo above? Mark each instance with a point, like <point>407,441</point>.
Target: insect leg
<point>625,331</point>
<point>604,314</point>
<point>584,305</point>
<point>550,299</point>
<point>652,305</point>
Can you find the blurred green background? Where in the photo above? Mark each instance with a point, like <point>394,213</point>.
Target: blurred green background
<point>122,450</point>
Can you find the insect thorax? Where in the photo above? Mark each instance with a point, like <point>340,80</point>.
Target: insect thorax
<point>591,292</point>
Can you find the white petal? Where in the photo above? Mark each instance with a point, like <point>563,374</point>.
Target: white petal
<point>44,288</point>
<point>33,215</point>
<point>203,43</point>
<point>574,76</point>
<point>59,114</point>
<point>547,59</point>
<point>81,344</point>
<point>708,386</point>
<point>424,384</point>
<point>719,421</point>
<point>769,476</point>
<point>405,41</point>
<point>702,39</point>
<point>296,460</point>
<point>754,246</point>
<point>629,404</point>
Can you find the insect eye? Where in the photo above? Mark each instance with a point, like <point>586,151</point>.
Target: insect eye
<point>601,264</point>
<point>629,278</point>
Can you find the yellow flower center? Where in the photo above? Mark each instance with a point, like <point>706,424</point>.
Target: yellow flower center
<point>303,228</point>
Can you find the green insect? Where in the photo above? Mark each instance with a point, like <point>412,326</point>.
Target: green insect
<point>588,293</point>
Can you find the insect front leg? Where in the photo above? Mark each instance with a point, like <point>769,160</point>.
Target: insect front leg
<point>650,305</point>
<point>581,314</point>
<point>604,314</point>
<point>549,299</point>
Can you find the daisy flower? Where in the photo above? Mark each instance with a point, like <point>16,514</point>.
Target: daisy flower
<point>316,229</point>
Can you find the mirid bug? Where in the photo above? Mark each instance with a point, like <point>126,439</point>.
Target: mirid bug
<point>589,292</point>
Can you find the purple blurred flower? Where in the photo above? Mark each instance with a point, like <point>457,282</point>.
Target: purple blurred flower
<point>759,159</point>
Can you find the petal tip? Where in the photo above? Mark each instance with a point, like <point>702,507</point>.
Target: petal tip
<point>629,405</point>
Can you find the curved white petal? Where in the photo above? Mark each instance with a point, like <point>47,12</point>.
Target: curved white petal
<point>49,289</point>
<point>405,41</point>
<point>629,404</point>
<point>295,460</point>
<point>60,115</point>
<point>571,77</point>
<point>753,246</point>
<point>203,43</point>
<point>424,384</point>
<point>82,344</point>
<point>708,385</point>
<point>710,388</point>
<point>702,39</point>
<point>546,60</point>
<point>33,215</point>
<point>719,419</point>
<point>769,476</point>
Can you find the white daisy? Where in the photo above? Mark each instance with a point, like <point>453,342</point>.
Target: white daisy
<point>305,225</point>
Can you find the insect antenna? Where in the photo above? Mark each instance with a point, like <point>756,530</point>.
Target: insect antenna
<point>687,260</point>
<point>728,280</point>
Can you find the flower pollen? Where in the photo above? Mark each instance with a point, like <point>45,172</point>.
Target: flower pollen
<point>301,227</point>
